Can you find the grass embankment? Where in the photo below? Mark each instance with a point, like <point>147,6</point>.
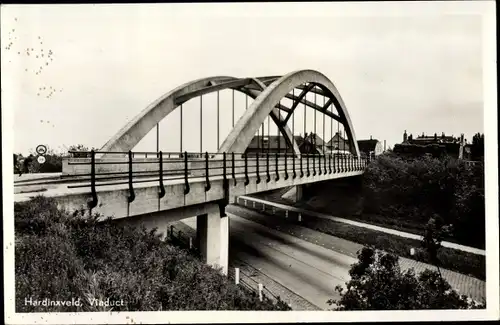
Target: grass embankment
<point>61,257</point>
<point>462,262</point>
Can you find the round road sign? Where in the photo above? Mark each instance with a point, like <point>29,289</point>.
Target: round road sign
<point>41,159</point>
<point>41,149</point>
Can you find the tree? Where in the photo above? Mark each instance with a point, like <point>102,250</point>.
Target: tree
<point>435,232</point>
<point>477,149</point>
<point>80,151</point>
<point>377,283</point>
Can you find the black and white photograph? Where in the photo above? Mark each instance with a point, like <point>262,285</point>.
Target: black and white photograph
<point>185,162</point>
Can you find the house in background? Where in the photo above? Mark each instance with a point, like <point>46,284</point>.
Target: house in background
<point>311,143</point>
<point>370,148</point>
<point>338,144</point>
<point>434,145</point>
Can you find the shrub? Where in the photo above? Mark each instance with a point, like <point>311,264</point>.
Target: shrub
<point>61,256</point>
<point>377,283</point>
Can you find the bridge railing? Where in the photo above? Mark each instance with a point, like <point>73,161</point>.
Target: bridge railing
<point>102,168</point>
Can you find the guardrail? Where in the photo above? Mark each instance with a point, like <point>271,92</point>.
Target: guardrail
<point>120,168</point>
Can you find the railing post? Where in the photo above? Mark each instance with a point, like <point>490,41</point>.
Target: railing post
<point>186,183</point>
<point>314,164</point>
<point>330,162</point>
<point>131,197</point>
<point>308,172</point>
<point>276,168</point>
<point>261,287</point>
<point>233,174</point>
<point>257,169</point>
<point>286,166</point>
<point>92,204</point>
<point>162,187</point>
<point>320,172</point>
<point>301,169</point>
<point>247,181</point>
<point>324,160</point>
<point>207,180</point>
<point>293,165</point>
<point>268,175</point>
<point>225,183</point>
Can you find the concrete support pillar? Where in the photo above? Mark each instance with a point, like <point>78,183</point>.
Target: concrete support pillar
<point>299,192</point>
<point>213,239</point>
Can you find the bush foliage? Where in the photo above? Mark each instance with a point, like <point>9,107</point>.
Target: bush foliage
<point>414,190</point>
<point>61,256</point>
<point>377,283</point>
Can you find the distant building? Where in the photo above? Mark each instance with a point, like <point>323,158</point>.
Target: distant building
<point>371,147</point>
<point>434,145</point>
<point>312,143</point>
<point>338,143</point>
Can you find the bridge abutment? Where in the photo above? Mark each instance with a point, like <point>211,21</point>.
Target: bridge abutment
<point>213,239</point>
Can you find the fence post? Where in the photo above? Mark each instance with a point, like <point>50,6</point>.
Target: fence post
<point>190,242</point>
<point>286,213</point>
<point>274,210</point>
<point>253,204</point>
<point>237,275</point>
<point>171,232</point>
<point>300,217</point>
<point>245,201</point>
<point>263,207</point>
<point>261,287</point>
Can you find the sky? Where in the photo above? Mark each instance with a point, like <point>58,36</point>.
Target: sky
<point>398,66</point>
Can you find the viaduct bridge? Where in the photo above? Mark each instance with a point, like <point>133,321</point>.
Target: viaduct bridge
<point>156,188</point>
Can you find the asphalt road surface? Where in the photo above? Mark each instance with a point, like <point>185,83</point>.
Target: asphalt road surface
<point>309,270</point>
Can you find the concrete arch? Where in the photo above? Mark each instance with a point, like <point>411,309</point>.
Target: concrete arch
<point>241,135</point>
<point>136,129</point>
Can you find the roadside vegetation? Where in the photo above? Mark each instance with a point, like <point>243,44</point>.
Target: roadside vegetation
<point>407,192</point>
<point>377,282</point>
<point>62,256</point>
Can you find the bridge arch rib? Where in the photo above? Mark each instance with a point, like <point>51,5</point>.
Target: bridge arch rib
<point>136,129</point>
<point>266,92</point>
<point>239,138</point>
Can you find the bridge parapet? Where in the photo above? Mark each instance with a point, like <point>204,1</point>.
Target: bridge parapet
<point>194,178</point>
